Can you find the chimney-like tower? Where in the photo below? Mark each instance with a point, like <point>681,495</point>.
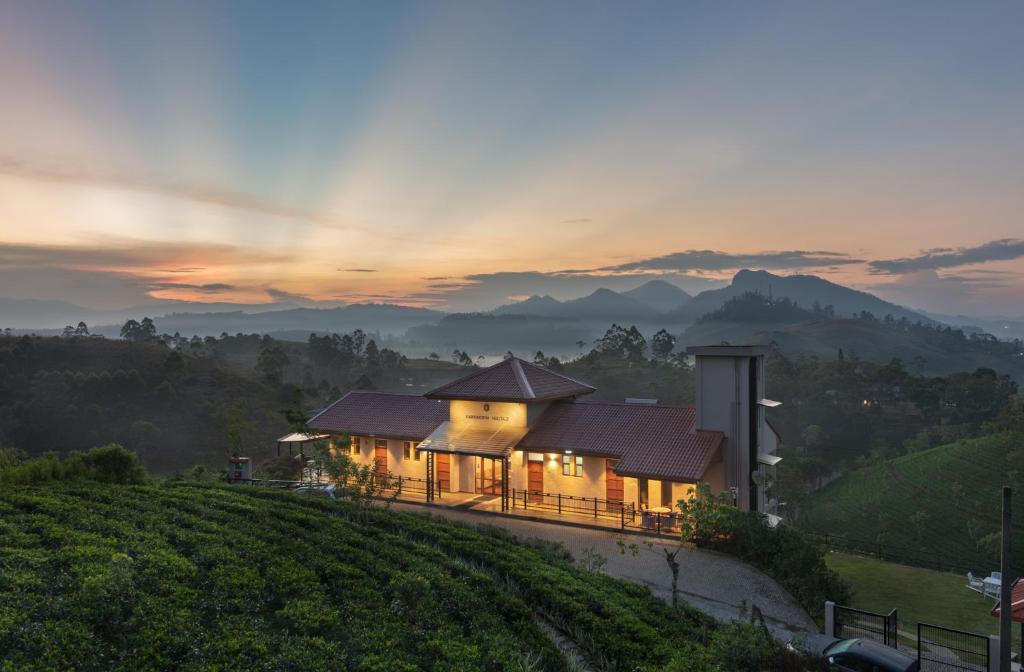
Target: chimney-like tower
<point>730,399</point>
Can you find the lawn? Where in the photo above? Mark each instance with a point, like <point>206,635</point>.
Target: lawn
<point>919,594</point>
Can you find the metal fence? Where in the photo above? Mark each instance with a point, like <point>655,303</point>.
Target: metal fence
<point>942,649</point>
<point>657,522</point>
<point>589,506</point>
<point>882,628</point>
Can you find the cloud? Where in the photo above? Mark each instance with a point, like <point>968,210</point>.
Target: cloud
<point>358,270</point>
<point>128,255</point>
<point>578,220</point>
<point>712,260</point>
<point>997,250</point>
<point>175,189</point>
<point>207,288</point>
<point>282,296</point>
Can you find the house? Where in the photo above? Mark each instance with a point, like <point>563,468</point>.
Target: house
<point>528,434</point>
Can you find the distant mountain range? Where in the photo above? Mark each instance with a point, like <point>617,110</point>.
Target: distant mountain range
<point>643,304</point>
<point>652,305</point>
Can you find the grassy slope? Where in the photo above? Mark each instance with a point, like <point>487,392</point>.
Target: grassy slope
<point>935,508</point>
<point>920,595</point>
<point>192,577</point>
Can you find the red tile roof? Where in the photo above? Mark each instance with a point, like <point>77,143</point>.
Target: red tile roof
<point>512,379</point>
<point>382,414</point>
<point>652,440</point>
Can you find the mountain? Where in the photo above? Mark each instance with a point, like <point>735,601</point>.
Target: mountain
<point>806,290</point>
<point>542,306</point>
<point>370,317</point>
<point>938,351</point>
<point>662,296</point>
<point>36,313</point>
<point>604,304</point>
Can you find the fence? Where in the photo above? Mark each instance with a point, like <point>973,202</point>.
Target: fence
<point>942,649</point>
<point>654,521</point>
<point>591,506</point>
<point>882,628</point>
<point>406,483</point>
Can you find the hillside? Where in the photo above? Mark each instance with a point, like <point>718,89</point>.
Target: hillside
<point>191,577</point>
<point>936,508</point>
<point>806,290</point>
<point>870,340</point>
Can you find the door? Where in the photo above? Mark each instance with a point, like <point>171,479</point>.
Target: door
<point>613,490</point>
<point>535,481</point>
<point>488,476</point>
<point>380,453</point>
<point>444,471</point>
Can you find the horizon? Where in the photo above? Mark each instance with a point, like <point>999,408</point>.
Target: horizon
<point>464,157</point>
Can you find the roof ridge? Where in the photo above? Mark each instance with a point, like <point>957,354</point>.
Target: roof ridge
<point>607,402</point>
<point>555,373</point>
<point>524,384</point>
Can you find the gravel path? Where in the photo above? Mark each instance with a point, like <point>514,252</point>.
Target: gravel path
<point>712,582</point>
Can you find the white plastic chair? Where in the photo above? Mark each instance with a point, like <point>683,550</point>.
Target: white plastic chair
<point>977,585</point>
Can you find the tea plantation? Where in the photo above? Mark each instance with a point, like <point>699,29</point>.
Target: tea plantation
<point>936,508</point>
<point>203,577</point>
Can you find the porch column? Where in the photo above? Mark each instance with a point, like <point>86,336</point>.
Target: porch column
<point>504,483</point>
<point>430,475</point>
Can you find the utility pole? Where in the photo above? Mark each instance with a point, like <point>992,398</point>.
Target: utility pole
<point>1005,601</point>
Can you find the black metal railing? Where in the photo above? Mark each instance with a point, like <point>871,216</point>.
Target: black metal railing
<point>412,484</point>
<point>882,628</point>
<point>946,649</point>
<point>594,507</point>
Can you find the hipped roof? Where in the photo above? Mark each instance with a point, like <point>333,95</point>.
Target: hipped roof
<point>512,379</point>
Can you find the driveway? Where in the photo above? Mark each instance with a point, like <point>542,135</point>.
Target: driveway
<point>716,584</point>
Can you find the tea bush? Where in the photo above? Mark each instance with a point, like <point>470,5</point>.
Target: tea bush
<point>187,576</point>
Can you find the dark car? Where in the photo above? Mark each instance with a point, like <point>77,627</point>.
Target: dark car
<point>863,655</point>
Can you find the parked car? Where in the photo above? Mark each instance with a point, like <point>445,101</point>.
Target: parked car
<point>329,490</point>
<point>864,655</point>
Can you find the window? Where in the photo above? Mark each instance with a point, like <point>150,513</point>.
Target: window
<point>535,457</point>
<point>355,445</point>
<point>407,450</point>
<point>666,494</point>
<point>572,465</point>
<point>642,490</point>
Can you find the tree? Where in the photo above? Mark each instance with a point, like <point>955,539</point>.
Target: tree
<point>465,359</point>
<point>662,344</point>
<point>539,358</point>
<point>175,363</point>
<point>235,425</point>
<point>434,356</point>
<point>271,362</point>
<point>618,341</point>
<point>68,332</point>
<point>372,354</point>
<point>138,331</point>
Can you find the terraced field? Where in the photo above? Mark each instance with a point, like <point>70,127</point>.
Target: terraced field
<point>193,577</point>
<point>937,508</point>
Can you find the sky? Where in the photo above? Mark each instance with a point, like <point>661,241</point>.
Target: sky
<point>463,155</point>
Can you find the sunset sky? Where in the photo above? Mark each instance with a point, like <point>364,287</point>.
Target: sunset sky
<point>460,155</point>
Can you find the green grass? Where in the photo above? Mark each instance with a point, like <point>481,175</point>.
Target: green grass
<point>194,577</point>
<point>920,595</point>
<point>937,508</point>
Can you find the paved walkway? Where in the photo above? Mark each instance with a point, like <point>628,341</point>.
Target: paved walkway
<point>712,582</point>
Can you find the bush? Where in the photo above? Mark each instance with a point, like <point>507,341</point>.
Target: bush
<point>782,552</point>
<point>106,464</point>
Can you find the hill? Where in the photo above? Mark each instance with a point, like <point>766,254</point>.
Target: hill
<point>935,508</point>
<point>662,296</point>
<point>370,317</point>
<point>805,290</point>
<point>602,305</point>
<point>870,340</point>
<point>191,577</point>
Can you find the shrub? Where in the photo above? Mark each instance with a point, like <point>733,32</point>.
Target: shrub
<point>782,552</point>
<point>107,464</point>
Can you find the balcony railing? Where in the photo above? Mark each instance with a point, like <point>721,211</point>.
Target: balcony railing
<point>590,506</point>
